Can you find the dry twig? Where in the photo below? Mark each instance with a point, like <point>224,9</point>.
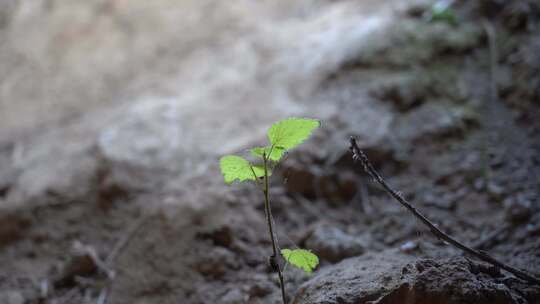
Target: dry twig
<point>359,155</point>
<point>122,243</point>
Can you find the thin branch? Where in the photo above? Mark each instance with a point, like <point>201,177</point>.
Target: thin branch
<point>268,211</point>
<point>126,238</point>
<point>359,155</point>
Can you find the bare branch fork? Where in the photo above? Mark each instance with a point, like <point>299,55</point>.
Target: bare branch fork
<point>359,155</point>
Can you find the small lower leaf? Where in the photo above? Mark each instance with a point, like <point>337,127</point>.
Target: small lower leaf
<point>301,258</point>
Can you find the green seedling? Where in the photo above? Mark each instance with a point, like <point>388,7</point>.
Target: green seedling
<point>282,136</point>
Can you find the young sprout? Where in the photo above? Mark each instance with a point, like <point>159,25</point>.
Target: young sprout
<point>282,136</point>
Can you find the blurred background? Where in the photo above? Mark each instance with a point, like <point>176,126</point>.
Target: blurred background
<point>114,113</point>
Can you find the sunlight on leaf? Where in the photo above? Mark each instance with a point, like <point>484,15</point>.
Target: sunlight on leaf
<point>301,258</point>
<point>277,152</point>
<point>259,171</point>
<point>291,132</point>
<point>237,168</point>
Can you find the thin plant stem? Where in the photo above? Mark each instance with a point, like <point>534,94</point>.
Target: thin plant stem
<point>268,211</point>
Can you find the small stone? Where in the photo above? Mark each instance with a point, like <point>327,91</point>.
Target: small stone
<point>79,264</point>
<point>216,262</point>
<point>334,245</point>
<point>234,296</point>
<point>479,184</point>
<point>517,209</point>
<point>495,191</point>
<point>221,236</point>
<point>408,246</point>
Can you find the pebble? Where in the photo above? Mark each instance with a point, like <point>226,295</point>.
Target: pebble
<point>517,209</point>
<point>334,245</point>
<point>408,246</point>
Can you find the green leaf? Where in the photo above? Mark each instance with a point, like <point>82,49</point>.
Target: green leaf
<point>291,132</point>
<point>301,258</point>
<point>259,171</point>
<point>237,168</point>
<point>275,155</point>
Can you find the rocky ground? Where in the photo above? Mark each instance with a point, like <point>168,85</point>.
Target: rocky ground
<point>113,115</point>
